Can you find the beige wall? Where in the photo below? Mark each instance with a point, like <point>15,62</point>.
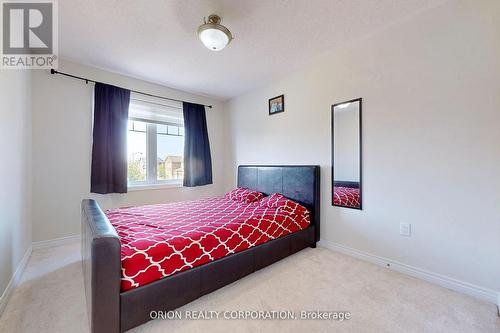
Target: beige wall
<point>62,149</point>
<point>431,138</point>
<point>15,171</point>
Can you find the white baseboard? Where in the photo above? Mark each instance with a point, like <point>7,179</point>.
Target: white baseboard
<point>55,242</point>
<point>444,281</point>
<point>14,281</point>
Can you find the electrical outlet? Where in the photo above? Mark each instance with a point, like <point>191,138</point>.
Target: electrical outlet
<point>405,229</point>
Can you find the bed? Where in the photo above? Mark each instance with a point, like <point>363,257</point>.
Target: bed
<point>116,302</point>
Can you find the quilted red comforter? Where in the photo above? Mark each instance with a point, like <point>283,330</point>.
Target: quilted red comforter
<point>346,196</point>
<point>161,240</point>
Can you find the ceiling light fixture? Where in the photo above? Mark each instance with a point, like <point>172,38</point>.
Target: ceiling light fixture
<point>214,35</point>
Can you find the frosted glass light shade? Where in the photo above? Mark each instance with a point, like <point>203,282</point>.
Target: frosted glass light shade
<point>214,39</point>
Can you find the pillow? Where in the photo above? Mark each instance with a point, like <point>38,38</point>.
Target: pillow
<point>243,194</point>
<point>271,201</point>
<point>283,204</point>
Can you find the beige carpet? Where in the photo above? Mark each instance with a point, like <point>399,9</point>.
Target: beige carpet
<point>50,299</point>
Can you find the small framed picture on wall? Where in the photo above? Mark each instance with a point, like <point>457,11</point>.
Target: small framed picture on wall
<point>277,104</point>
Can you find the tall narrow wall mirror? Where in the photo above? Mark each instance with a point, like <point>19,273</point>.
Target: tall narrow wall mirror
<point>346,154</point>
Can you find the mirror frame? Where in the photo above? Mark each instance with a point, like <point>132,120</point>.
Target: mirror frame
<point>360,154</point>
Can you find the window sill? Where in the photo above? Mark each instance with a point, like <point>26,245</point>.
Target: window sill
<point>148,187</point>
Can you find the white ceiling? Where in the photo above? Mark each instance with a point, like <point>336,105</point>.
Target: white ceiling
<point>156,39</point>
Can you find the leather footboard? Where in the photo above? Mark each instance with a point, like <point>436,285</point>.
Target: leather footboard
<point>179,289</point>
<point>101,269</point>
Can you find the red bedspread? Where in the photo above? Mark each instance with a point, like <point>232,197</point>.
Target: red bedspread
<point>346,196</point>
<point>160,240</point>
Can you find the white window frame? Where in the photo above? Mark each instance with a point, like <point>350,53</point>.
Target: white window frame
<point>152,181</point>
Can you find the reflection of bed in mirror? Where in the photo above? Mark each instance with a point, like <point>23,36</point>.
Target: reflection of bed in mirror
<point>346,194</point>
<point>346,154</point>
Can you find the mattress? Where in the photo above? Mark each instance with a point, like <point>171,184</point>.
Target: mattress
<point>346,196</point>
<point>160,240</point>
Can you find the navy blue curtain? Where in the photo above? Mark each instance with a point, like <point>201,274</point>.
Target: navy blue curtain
<point>197,159</point>
<point>109,146</point>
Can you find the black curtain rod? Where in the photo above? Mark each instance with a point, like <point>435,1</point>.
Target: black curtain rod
<point>53,71</point>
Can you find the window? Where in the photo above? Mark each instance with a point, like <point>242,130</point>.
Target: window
<point>137,151</point>
<point>155,142</point>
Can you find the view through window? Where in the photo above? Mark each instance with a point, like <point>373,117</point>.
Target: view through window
<point>137,151</point>
<point>170,150</point>
<point>155,151</point>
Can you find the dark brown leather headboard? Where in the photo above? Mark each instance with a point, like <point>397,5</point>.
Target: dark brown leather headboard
<point>300,183</point>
